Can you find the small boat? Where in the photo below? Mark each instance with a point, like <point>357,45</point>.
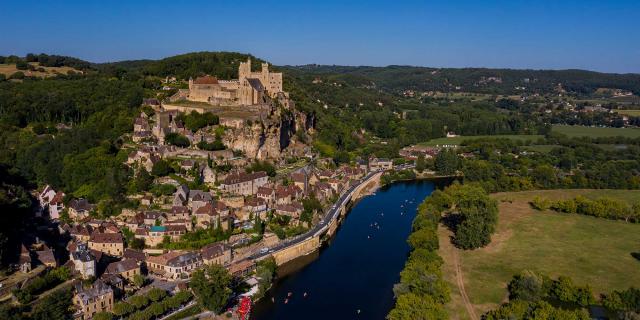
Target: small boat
<point>286,301</point>
<point>289,294</point>
<point>304,295</point>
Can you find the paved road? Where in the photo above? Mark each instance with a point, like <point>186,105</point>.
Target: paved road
<point>329,216</point>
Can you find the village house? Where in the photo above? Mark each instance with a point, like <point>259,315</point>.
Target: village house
<point>181,195</point>
<point>79,208</point>
<point>216,253</point>
<point>146,200</point>
<point>221,208</point>
<point>51,202</point>
<point>207,216</point>
<point>79,232</point>
<point>127,269</point>
<point>300,180</point>
<point>292,210</point>
<point>187,164</point>
<point>83,261</point>
<point>178,212</point>
<point>175,264</point>
<point>174,232</point>
<point>47,257</point>
<point>208,175</point>
<point>380,164</point>
<point>256,206</point>
<point>244,183</point>
<point>242,268</point>
<point>198,198</point>
<point>186,223</point>
<point>131,254</point>
<point>109,243</point>
<point>98,298</point>
<point>151,218</point>
<point>141,125</point>
<point>267,194</point>
<point>322,191</point>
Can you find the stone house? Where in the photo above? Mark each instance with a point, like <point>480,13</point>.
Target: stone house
<point>175,264</point>
<point>256,206</point>
<point>127,269</point>
<point>292,210</point>
<point>216,253</point>
<point>198,198</point>
<point>109,243</point>
<point>380,164</point>
<point>79,208</point>
<point>207,216</point>
<point>83,261</point>
<point>244,183</point>
<point>267,194</point>
<point>98,298</point>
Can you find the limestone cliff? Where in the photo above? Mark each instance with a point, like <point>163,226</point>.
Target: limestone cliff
<point>271,137</point>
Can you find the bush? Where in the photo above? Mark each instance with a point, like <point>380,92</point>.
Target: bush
<point>177,139</point>
<point>161,168</point>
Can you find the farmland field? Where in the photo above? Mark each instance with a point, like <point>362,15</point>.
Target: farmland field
<point>9,69</point>
<point>633,113</point>
<point>459,139</point>
<point>596,132</point>
<point>590,250</point>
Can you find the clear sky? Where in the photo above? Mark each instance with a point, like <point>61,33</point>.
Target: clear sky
<point>599,35</point>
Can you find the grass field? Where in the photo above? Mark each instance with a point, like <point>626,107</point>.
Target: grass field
<point>633,113</point>
<point>459,139</point>
<point>595,132</point>
<point>9,69</point>
<point>590,250</point>
<point>543,148</point>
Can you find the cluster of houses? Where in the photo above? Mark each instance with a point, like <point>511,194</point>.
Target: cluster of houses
<point>226,200</point>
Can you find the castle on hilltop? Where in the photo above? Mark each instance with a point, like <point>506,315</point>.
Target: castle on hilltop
<point>250,88</point>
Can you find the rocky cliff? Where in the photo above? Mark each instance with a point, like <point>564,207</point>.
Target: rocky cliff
<point>273,136</point>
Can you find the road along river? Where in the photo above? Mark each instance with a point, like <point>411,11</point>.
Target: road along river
<point>353,276</point>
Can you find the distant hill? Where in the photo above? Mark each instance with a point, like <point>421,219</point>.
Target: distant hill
<point>392,79</point>
<point>482,80</point>
<point>224,65</point>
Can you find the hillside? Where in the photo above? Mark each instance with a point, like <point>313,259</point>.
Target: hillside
<point>482,80</point>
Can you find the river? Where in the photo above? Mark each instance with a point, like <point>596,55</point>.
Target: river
<point>358,267</point>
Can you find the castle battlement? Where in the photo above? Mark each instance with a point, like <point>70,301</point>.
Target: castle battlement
<point>250,87</point>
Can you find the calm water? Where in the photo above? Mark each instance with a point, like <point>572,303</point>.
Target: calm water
<point>359,267</point>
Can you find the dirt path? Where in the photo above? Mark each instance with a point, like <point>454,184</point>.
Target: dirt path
<point>463,292</point>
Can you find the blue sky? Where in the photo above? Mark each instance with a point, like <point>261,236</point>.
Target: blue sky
<point>594,35</point>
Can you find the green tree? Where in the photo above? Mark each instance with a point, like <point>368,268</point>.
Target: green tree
<point>139,280</point>
<point>141,182</point>
<point>211,286</point>
<point>161,168</point>
<point>447,162</point>
<point>528,286</point>
<point>122,308</point>
<point>177,139</point>
<point>421,164</point>
<point>156,294</point>
<point>55,306</point>
<point>103,316</point>
<point>414,307</point>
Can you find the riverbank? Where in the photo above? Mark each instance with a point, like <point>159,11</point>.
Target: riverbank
<point>341,278</point>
